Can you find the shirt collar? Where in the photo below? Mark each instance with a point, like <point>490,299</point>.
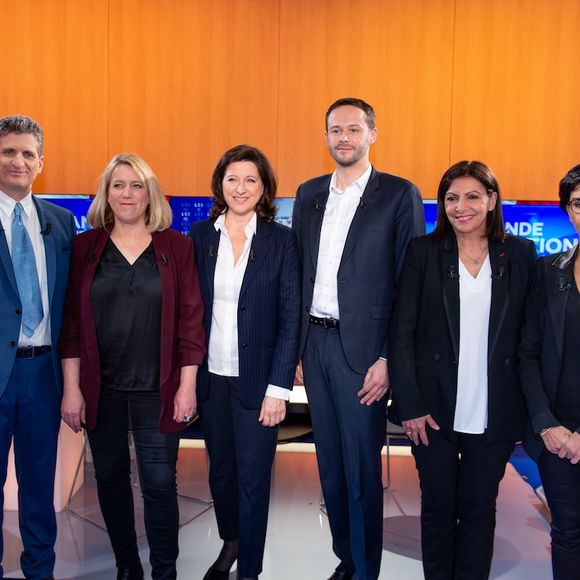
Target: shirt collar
<point>7,204</point>
<point>250,229</point>
<point>359,183</point>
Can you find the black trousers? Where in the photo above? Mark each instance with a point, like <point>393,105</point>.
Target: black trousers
<point>348,437</point>
<point>459,485</point>
<point>561,482</point>
<point>241,452</point>
<point>156,462</point>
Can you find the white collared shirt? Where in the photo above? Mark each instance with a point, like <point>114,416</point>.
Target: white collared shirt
<point>31,222</point>
<point>472,390</point>
<point>338,215</point>
<point>223,358</point>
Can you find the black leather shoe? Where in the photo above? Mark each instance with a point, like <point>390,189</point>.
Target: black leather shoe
<point>213,574</point>
<point>131,573</point>
<point>342,575</point>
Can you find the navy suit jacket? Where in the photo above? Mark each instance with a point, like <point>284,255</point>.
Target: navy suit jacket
<point>424,347</point>
<point>389,215</point>
<point>542,345</point>
<point>268,308</point>
<point>58,229</point>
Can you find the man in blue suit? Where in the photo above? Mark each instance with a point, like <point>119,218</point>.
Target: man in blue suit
<point>35,243</point>
<point>353,227</point>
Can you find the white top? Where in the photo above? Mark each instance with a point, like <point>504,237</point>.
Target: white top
<point>222,358</point>
<point>474,305</point>
<point>338,215</point>
<point>31,222</point>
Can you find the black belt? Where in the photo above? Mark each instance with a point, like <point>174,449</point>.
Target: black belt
<point>325,322</point>
<point>32,351</point>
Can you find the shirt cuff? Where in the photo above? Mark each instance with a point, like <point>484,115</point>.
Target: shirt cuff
<point>278,392</point>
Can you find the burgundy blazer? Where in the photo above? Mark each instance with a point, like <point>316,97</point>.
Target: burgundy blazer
<point>182,333</point>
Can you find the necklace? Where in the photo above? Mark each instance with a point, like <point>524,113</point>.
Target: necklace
<point>477,260</point>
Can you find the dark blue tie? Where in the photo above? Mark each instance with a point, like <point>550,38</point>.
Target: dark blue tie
<point>26,274</point>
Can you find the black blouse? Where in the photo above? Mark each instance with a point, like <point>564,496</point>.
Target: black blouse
<point>568,400</point>
<point>126,301</point>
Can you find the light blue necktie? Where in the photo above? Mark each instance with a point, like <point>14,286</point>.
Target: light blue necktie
<point>26,274</point>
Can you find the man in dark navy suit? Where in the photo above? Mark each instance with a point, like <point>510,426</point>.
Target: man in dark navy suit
<point>35,243</point>
<point>353,227</point>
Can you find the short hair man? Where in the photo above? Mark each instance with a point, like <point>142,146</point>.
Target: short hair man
<point>353,227</point>
<point>35,244</point>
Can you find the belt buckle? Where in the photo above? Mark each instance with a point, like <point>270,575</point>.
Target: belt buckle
<point>329,323</point>
<point>26,352</point>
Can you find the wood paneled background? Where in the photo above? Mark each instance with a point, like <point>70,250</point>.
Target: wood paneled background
<point>180,81</point>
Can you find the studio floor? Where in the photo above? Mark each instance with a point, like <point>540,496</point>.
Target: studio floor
<point>299,543</point>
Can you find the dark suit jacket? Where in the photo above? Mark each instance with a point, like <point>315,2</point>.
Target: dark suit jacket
<point>424,346</point>
<point>389,215</point>
<point>59,227</point>
<point>268,308</point>
<point>542,343</point>
<point>182,336</point>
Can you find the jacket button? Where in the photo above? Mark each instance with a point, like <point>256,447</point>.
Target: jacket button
<point>245,346</point>
<point>436,356</point>
<point>18,312</point>
<point>312,279</point>
<point>307,308</point>
<point>242,308</point>
<point>12,343</point>
<point>507,361</point>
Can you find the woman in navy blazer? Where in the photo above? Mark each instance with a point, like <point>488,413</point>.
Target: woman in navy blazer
<point>249,272</point>
<point>549,374</point>
<point>131,342</point>
<point>452,363</point>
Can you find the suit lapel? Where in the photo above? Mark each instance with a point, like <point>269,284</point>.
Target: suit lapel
<point>258,251</point>
<point>449,262</point>
<point>211,242</point>
<point>559,284</point>
<point>500,295</point>
<point>6,260</point>
<point>49,247</point>
<point>316,217</point>
<point>361,214</point>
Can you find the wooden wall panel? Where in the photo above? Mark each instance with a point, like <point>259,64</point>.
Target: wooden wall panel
<point>516,90</point>
<point>55,70</point>
<point>395,55</point>
<point>191,79</point>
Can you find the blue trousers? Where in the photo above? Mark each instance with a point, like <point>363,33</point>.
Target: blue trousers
<point>156,461</point>
<point>348,437</point>
<point>30,414</point>
<point>241,452</point>
<point>561,482</point>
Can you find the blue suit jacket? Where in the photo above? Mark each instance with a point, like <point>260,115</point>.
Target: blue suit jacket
<point>389,215</point>
<point>58,229</point>
<point>268,308</point>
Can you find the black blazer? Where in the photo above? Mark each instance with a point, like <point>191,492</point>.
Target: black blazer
<point>542,343</point>
<point>389,215</point>
<point>268,308</point>
<point>424,345</point>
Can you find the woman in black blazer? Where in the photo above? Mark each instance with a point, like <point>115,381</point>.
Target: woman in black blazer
<point>249,273</point>
<point>550,378</point>
<point>452,364</point>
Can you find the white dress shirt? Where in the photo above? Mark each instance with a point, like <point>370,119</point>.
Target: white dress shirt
<point>338,215</point>
<point>31,222</point>
<point>474,306</point>
<point>222,358</point>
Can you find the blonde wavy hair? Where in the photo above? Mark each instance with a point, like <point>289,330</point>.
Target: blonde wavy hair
<point>158,214</point>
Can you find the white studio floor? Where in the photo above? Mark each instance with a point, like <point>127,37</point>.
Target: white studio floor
<point>298,544</point>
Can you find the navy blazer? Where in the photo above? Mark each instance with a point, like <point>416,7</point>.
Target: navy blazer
<point>58,227</point>
<point>542,343</point>
<point>268,308</point>
<point>390,213</point>
<point>424,346</point>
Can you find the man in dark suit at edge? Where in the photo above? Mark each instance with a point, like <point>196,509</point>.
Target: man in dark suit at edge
<point>353,227</point>
<point>35,244</point>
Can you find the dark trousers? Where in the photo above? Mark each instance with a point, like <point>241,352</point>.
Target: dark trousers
<point>561,482</point>
<point>156,453</point>
<point>459,485</point>
<point>30,414</point>
<point>241,452</point>
<point>348,437</point>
